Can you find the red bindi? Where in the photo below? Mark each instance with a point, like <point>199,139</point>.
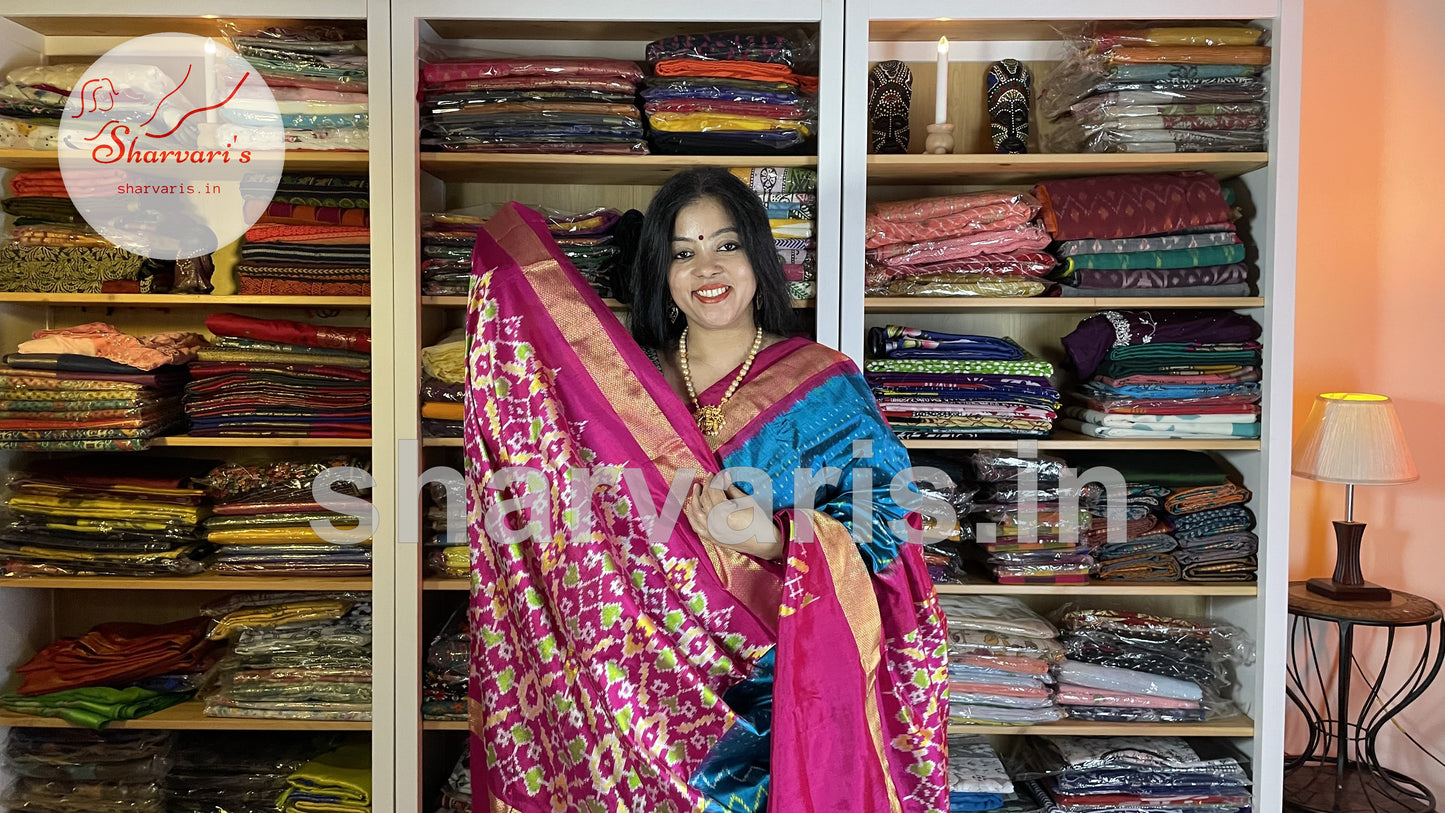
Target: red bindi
<point>699,237</point>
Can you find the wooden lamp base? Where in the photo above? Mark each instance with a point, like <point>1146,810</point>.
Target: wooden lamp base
<point>1348,582</point>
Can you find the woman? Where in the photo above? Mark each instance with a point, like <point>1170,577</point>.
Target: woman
<point>628,659</point>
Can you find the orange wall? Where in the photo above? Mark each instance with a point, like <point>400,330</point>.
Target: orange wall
<point>1371,296</point>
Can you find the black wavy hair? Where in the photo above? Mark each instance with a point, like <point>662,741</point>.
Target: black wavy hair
<point>651,297</point>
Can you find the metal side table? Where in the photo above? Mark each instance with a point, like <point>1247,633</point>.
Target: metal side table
<point>1339,771</point>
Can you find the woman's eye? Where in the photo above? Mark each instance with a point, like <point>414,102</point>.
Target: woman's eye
<point>682,255</point>
<point>729,246</point>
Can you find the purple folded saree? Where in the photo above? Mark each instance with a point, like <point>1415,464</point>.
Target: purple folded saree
<point>601,658</point>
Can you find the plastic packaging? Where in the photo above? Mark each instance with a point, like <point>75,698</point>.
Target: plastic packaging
<point>944,285</point>
<point>790,49</point>
<point>1003,614</point>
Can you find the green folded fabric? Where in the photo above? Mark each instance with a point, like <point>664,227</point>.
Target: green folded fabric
<point>1172,258</point>
<point>1026,367</point>
<point>93,707</point>
<point>343,776</point>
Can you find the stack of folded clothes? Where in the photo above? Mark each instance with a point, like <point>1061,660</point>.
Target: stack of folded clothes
<point>92,387</point>
<point>443,373</point>
<point>728,94</point>
<point>943,385</point>
<point>102,676</point>
<point>445,553</point>
<point>262,514</point>
<point>977,779</point>
<point>1026,533</point>
<point>942,553</point>
<point>1212,525</point>
<point>279,378</point>
<point>456,794</point>
<point>975,244</point>
<point>1127,774</point>
<point>338,781</point>
<point>586,239</point>
<point>444,679</point>
<point>62,769</point>
<point>1152,90</point>
<point>1168,234</point>
<point>999,656</point>
<point>300,248</point>
<point>532,105</point>
<point>98,516</point>
<point>325,255</point>
<point>293,656</point>
<point>790,195</point>
<point>52,249</point>
<point>1165,374</point>
<point>234,771</point>
<point>1126,666</point>
<point>32,102</point>
<point>318,77</point>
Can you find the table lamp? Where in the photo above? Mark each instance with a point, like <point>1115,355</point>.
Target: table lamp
<point>1355,439</point>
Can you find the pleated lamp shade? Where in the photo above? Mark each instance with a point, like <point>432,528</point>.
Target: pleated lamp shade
<point>1353,438</point>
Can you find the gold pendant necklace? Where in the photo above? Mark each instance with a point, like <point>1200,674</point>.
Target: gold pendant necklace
<point>710,418</point>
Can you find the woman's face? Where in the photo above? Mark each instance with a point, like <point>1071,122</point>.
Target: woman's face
<point>710,277</point>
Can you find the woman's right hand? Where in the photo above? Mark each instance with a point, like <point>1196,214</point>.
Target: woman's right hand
<point>703,500</point>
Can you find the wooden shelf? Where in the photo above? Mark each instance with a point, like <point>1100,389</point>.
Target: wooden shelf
<point>461,302</point>
<point>203,582</point>
<point>599,170</point>
<point>1020,169</point>
<point>188,717</point>
<point>279,443</point>
<point>1098,588</point>
<point>449,442</point>
<point>296,160</point>
<point>946,304</point>
<point>1063,439</point>
<point>445,725</point>
<point>1240,726</point>
<point>446,583</point>
<point>188,300</point>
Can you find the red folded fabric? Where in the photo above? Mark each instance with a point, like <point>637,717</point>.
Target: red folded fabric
<point>1116,206</point>
<point>461,69</point>
<point>289,332</point>
<point>117,653</point>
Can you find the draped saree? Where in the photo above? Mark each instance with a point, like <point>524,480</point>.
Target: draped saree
<point>619,663</point>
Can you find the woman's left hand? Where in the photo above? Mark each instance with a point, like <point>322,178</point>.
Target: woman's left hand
<point>703,499</point>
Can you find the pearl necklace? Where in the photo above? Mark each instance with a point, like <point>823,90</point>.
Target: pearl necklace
<point>710,418</point>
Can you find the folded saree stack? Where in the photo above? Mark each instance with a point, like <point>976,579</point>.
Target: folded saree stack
<point>1129,774</point>
<point>942,553</point>
<point>103,675</point>
<point>999,656</point>
<point>456,793</point>
<point>728,94</point>
<point>32,102</point>
<point>443,368</point>
<point>318,77</point>
<point>1125,666</point>
<point>790,194</point>
<point>313,239</point>
<point>987,244</point>
<point>586,238</point>
<point>279,378</point>
<point>293,656</point>
<point>1165,374</point>
<point>338,781</point>
<point>1160,90</point>
<point>66,769</point>
<point>1145,235</point>
<point>444,551</point>
<point>977,779</point>
<point>234,771</point>
<point>943,385</point>
<point>98,516</point>
<point>445,675</point>
<point>262,515</point>
<point>50,248</point>
<point>532,105</point>
<point>93,387</point>
<point>1022,533</point>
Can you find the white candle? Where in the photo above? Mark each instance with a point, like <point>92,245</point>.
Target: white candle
<point>940,108</point>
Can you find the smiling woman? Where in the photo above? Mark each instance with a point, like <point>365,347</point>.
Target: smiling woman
<point>806,663</point>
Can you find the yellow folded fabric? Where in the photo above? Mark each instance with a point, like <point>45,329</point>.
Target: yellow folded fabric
<point>291,535</point>
<point>705,122</point>
<point>278,615</point>
<point>1194,55</point>
<point>791,228</point>
<point>101,508</point>
<point>447,360</point>
<point>1185,35</point>
<point>62,555</point>
<point>343,774</point>
<point>442,411</point>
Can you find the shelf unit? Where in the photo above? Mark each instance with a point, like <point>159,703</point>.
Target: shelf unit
<point>40,609</point>
<point>424,180</point>
<point>1033,31</point>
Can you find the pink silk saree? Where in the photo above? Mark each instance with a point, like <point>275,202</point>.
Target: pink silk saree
<point>604,639</point>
